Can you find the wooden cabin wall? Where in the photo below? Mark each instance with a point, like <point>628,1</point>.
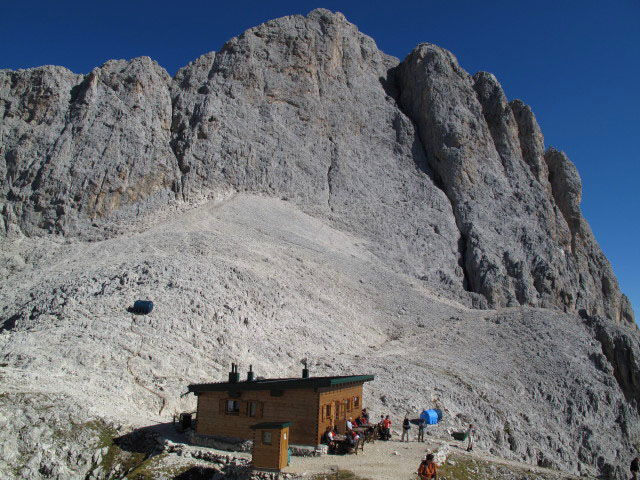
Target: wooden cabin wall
<point>331,397</point>
<point>298,406</point>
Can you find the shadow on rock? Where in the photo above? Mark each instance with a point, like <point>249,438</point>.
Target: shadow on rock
<point>199,473</point>
<point>149,440</point>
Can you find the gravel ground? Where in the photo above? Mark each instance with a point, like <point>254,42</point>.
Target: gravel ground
<point>254,280</point>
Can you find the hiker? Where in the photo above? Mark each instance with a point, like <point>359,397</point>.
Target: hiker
<point>422,466</point>
<point>635,467</point>
<point>422,424</point>
<point>428,470</point>
<point>406,426</point>
<point>470,432</point>
<point>386,428</point>
<point>365,416</point>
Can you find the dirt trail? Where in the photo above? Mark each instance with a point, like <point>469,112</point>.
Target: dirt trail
<point>399,461</point>
<point>162,398</point>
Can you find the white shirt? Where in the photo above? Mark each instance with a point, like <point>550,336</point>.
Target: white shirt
<point>349,425</point>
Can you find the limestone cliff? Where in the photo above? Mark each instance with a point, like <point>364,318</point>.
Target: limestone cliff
<point>307,108</point>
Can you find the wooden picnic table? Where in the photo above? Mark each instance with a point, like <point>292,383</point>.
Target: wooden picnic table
<point>344,447</point>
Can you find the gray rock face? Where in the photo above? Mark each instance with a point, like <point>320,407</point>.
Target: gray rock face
<point>517,207</point>
<point>77,149</point>
<point>296,108</point>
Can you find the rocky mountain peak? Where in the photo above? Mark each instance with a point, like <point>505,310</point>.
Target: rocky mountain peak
<point>307,108</point>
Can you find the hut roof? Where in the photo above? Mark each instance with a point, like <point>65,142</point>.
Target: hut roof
<point>280,383</point>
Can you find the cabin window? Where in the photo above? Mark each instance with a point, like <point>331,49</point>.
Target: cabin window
<point>252,409</point>
<point>233,407</point>
<point>327,411</point>
<point>347,405</point>
<point>356,402</point>
<point>266,438</point>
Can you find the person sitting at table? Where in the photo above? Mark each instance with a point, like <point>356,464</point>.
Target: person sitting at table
<point>358,421</point>
<point>328,436</point>
<point>351,440</point>
<point>349,424</point>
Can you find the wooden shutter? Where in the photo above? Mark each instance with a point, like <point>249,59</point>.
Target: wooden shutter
<point>260,410</point>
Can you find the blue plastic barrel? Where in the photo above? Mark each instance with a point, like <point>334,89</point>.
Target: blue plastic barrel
<point>143,306</point>
<point>430,416</point>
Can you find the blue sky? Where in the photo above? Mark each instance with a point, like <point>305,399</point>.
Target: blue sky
<point>577,64</point>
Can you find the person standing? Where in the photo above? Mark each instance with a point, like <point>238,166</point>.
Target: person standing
<point>406,426</point>
<point>386,428</point>
<point>470,432</point>
<point>422,424</point>
<point>635,467</point>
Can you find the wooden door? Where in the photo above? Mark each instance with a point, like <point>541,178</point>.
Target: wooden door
<point>341,416</point>
<point>284,447</point>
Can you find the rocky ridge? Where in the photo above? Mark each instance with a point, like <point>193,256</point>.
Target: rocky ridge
<point>296,180</point>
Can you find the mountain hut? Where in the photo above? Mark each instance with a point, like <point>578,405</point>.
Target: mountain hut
<point>227,410</point>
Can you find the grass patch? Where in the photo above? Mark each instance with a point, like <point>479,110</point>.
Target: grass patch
<point>463,468</point>
<point>127,461</point>
<point>150,469</point>
<point>469,468</point>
